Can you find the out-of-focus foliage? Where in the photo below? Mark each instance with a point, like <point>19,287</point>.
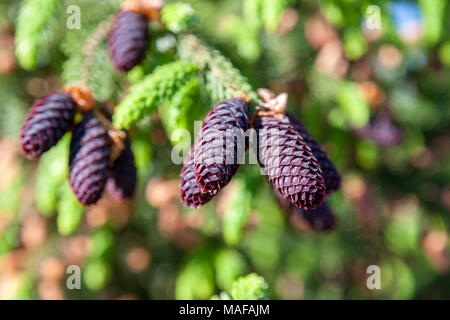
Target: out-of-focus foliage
<point>229,266</point>
<point>344,64</point>
<point>76,43</point>
<point>50,175</point>
<point>251,287</point>
<point>196,278</point>
<point>34,30</point>
<point>98,261</point>
<point>178,16</point>
<point>223,80</point>
<point>237,213</point>
<point>70,212</point>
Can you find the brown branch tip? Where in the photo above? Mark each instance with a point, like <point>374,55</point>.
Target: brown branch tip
<point>82,96</point>
<point>149,8</point>
<point>271,102</point>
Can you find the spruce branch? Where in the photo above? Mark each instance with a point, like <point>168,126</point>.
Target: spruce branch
<point>88,61</point>
<point>223,80</point>
<point>91,44</point>
<point>145,96</point>
<point>181,110</point>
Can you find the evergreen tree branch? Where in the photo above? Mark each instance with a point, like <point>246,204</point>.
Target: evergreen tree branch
<point>223,80</point>
<point>145,96</point>
<point>180,111</point>
<point>91,44</point>
<point>88,61</point>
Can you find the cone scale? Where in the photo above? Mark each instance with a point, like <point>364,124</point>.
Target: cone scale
<point>190,192</point>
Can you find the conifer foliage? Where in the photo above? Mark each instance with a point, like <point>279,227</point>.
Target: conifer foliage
<point>35,25</point>
<point>145,96</point>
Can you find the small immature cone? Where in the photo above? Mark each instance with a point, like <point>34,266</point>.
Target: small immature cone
<point>382,130</point>
<point>221,144</point>
<point>47,121</point>
<point>288,160</point>
<point>319,219</point>
<point>122,180</point>
<point>329,172</point>
<point>128,40</point>
<point>190,192</point>
<point>89,159</point>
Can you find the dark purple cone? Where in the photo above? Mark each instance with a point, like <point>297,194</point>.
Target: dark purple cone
<point>88,160</point>
<point>128,40</point>
<point>382,130</point>
<point>330,174</point>
<point>319,219</point>
<point>190,192</point>
<point>47,121</point>
<point>122,180</point>
<point>221,144</point>
<point>288,161</point>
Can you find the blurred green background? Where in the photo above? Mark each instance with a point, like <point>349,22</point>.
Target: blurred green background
<point>370,80</point>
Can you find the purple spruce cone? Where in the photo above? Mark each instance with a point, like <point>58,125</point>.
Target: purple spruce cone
<point>319,219</point>
<point>47,121</point>
<point>128,40</point>
<point>330,174</point>
<point>288,161</point>
<point>122,180</point>
<point>221,144</point>
<point>89,159</point>
<point>382,130</point>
